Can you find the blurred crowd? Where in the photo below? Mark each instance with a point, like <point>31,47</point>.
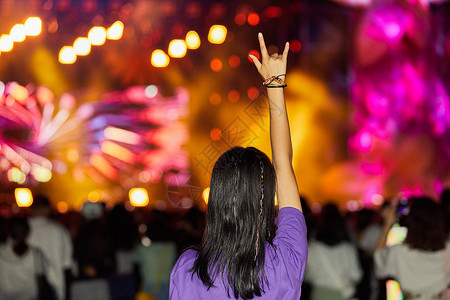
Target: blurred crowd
<point>123,252</point>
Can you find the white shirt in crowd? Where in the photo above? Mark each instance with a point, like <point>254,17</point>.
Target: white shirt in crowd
<point>54,241</point>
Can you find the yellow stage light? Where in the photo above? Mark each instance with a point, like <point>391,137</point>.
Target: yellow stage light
<point>217,34</point>
<point>24,197</point>
<point>192,40</point>
<point>177,48</point>
<point>160,59</point>
<point>16,175</point>
<point>138,197</point>
<point>82,46</point>
<point>67,55</point>
<point>115,31</point>
<point>41,174</point>
<point>97,35</point>
<point>17,33</point>
<point>33,26</point>
<point>6,43</point>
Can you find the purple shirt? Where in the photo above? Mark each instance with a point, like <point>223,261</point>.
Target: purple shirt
<point>284,265</point>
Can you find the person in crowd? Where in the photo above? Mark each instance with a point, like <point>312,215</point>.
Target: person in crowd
<point>23,268</point>
<point>156,256</point>
<point>333,267</point>
<point>420,263</point>
<point>55,242</point>
<point>93,252</point>
<point>445,206</point>
<point>124,236</point>
<point>243,254</point>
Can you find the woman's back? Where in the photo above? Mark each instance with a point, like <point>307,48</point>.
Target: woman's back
<point>285,264</point>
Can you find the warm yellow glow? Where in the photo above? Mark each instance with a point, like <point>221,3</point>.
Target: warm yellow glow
<point>205,195</point>
<point>20,93</point>
<point>192,40</point>
<point>95,196</point>
<point>121,135</point>
<point>24,197</point>
<point>177,48</point>
<point>62,207</point>
<point>97,35</point>
<point>41,174</point>
<point>138,197</point>
<point>72,155</point>
<point>118,151</point>
<point>103,166</point>
<point>160,59</point>
<point>33,26</point>
<point>82,46</point>
<point>16,175</point>
<point>217,34</point>
<point>67,55</point>
<point>6,43</point>
<point>115,31</point>
<point>17,33</point>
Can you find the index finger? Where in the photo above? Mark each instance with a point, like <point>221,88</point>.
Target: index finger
<point>262,45</point>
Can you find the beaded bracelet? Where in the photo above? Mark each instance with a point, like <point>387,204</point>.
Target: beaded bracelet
<point>275,79</point>
<point>267,83</point>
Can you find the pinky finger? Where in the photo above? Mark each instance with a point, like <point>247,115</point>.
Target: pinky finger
<point>285,51</point>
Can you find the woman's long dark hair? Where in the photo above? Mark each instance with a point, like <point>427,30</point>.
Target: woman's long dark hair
<point>426,227</point>
<point>229,248</point>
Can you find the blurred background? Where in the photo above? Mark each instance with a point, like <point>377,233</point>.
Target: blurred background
<point>106,100</point>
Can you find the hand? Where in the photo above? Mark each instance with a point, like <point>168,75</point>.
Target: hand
<point>389,213</point>
<point>272,65</point>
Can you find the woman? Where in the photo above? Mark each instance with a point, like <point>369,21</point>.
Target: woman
<point>421,263</point>
<point>243,255</point>
<point>333,267</point>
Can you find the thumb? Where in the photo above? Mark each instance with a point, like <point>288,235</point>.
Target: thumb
<point>255,61</point>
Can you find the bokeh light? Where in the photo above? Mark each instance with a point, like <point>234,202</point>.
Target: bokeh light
<point>67,55</point>
<point>16,175</point>
<point>62,207</point>
<point>17,33</point>
<point>234,61</point>
<point>177,48</point>
<point>41,174</point>
<point>151,91</point>
<point>295,46</point>
<point>24,197</point>
<point>255,54</point>
<point>33,26</point>
<point>215,99</point>
<point>6,43</point>
<point>97,35</point>
<point>205,194</point>
<point>253,19</point>
<point>215,134</point>
<point>159,59</point>
<point>240,19</point>
<point>192,40</point>
<point>217,34</point>
<point>252,92</point>
<point>115,31</point>
<point>82,46</point>
<point>216,64</point>
<point>138,197</point>
<point>234,96</point>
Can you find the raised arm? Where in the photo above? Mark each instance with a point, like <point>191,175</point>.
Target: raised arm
<point>280,136</point>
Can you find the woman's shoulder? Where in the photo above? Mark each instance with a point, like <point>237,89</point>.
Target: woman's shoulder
<point>186,259</point>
